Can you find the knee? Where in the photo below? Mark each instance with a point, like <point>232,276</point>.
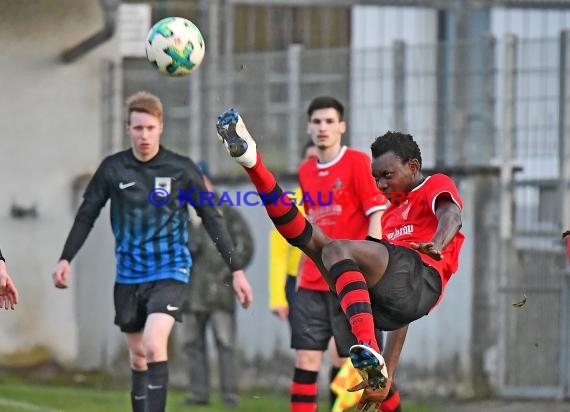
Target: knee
<point>138,359</point>
<point>154,350</point>
<point>334,252</point>
<point>308,360</point>
<point>225,339</point>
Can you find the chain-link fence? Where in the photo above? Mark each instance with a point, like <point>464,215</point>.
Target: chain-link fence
<point>497,108</point>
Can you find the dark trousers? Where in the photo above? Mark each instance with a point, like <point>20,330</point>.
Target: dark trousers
<point>224,328</point>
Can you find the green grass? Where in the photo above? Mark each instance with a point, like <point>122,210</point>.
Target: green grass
<point>19,397</point>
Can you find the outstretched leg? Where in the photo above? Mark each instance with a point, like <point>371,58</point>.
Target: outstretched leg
<point>342,263</point>
<point>281,209</point>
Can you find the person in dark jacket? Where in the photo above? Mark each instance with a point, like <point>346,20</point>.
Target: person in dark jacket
<point>212,302</point>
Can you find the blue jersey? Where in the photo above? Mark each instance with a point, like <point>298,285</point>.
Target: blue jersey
<point>149,215</point>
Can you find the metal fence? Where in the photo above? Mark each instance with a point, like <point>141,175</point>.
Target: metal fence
<point>534,341</point>
<point>501,106</point>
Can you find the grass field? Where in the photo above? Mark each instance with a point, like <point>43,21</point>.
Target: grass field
<point>19,397</point>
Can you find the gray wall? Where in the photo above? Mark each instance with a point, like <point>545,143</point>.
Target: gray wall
<point>51,132</point>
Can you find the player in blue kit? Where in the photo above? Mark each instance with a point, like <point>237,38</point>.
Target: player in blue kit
<point>149,187</point>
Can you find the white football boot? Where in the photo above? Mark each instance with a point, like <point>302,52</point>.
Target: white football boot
<point>236,138</point>
<point>370,364</point>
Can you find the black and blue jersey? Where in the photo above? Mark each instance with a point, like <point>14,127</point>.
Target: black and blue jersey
<point>149,215</point>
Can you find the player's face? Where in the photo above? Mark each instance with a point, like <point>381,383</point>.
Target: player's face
<point>326,128</point>
<point>392,175</point>
<point>145,130</point>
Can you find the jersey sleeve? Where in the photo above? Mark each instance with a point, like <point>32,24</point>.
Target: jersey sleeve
<point>439,184</point>
<point>240,234</point>
<point>96,195</point>
<point>298,197</point>
<point>283,260</point>
<point>278,247</point>
<point>299,191</point>
<point>366,192</point>
<point>212,219</point>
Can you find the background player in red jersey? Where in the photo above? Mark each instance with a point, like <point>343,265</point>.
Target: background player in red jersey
<point>385,283</point>
<point>341,198</point>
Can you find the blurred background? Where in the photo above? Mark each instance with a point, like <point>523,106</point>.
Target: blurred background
<point>483,85</point>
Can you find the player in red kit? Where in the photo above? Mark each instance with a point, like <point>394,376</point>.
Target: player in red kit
<point>380,283</point>
<point>341,198</point>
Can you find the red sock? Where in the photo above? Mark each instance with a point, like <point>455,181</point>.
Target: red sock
<point>281,209</point>
<point>304,391</point>
<point>392,401</point>
<point>354,299</point>
<point>262,179</point>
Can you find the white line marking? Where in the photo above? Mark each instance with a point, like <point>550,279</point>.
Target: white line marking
<point>26,406</point>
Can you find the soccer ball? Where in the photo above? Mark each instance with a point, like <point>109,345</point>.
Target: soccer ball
<point>175,46</point>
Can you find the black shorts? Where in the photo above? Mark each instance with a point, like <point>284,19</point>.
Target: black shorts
<point>290,293</point>
<point>408,290</point>
<point>133,303</point>
<point>315,317</point>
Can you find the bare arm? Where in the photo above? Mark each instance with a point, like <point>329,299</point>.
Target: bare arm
<point>394,343</point>
<point>8,292</point>
<point>449,222</point>
<point>374,225</point>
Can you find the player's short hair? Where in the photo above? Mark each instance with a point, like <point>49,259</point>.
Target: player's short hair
<point>144,102</point>
<point>325,102</point>
<point>402,145</point>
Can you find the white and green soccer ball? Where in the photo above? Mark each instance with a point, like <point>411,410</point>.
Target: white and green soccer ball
<point>175,46</point>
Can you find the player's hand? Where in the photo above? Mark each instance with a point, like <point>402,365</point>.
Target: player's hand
<point>242,289</point>
<point>427,248</point>
<point>370,397</point>
<point>8,293</point>
<point>61,274</point>
<point>567,233</point>
<point>280,311</point>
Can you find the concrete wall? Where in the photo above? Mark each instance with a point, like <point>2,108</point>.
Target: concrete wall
<point>50,114</point>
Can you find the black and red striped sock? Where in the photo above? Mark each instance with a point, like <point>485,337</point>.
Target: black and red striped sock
<point>281,209</point>
<point>354,299</point>
<point>392,401</point>
<point>304,391</point>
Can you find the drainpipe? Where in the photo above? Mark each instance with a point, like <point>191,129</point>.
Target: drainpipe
<point>110,9</point>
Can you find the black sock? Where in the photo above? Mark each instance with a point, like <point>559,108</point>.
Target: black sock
<point>157,386</point>
<point>138,390</point>
<point>333,372</point>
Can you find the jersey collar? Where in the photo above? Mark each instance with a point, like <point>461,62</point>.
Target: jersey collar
<point>339,156</point>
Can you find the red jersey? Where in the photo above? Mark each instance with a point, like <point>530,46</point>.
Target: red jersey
<point>414,220</point>
<point>338,196</point>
